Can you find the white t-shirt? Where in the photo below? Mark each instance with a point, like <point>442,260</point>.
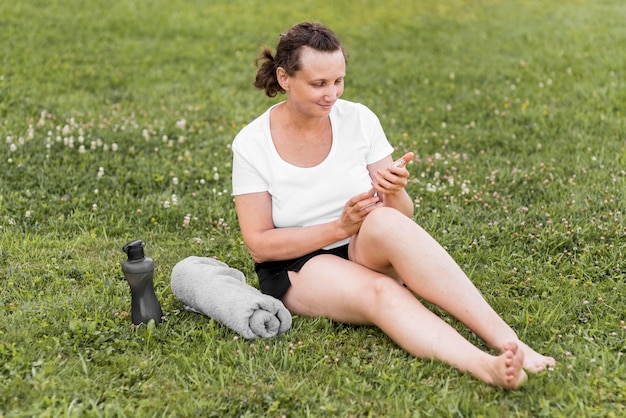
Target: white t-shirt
<point>311,195</point>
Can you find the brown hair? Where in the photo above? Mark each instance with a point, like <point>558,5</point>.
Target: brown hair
<point>313,35</point>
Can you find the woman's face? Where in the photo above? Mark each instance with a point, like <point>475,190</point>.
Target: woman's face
<point>314,89</point>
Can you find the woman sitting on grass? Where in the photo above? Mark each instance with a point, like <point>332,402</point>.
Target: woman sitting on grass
<point>324,213</point>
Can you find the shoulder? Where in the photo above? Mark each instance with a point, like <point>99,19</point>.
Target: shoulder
<point>256,125</point>
<point>253,132</point>
<point>348,109</point>
<point>346,106</point>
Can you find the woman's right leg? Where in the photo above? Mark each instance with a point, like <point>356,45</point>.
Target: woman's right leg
<point>393,244</point>
<point>347,292</point>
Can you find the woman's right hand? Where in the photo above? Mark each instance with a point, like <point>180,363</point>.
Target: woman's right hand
<point>355,211</point>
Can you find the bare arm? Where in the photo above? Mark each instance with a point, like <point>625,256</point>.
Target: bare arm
<point>267,243</point>
<point>390,181</point>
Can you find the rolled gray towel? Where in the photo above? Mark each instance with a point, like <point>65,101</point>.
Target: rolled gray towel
<point>210,287</point>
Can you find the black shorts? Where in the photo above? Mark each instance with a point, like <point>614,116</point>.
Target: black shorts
<point>273,276</point>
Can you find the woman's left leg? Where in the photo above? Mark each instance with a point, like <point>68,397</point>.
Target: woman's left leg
<point>393,244</point>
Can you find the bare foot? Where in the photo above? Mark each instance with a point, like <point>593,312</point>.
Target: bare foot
<point>533,361</point>
<point>506,370</point>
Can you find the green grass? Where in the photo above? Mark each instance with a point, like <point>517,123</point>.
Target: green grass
<point>108,110</point>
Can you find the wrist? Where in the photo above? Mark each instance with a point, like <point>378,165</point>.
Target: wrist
<point>339,231</point>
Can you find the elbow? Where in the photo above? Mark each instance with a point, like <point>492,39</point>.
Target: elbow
<point>263,255</point>
<point>256,255</point>
<point>258,246</point>
<point>408,206</point>
<point>410,212</point>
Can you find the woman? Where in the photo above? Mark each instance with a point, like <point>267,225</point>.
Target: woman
<point>324,213</point>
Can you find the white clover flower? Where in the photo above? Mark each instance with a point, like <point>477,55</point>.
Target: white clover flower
<point>166,204</point>
<point>94,207</point>
<point>175,181</point>
<point>114,147</point>
<point>100,172</point>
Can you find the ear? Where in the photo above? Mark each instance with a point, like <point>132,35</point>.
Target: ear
<point>283,78</point>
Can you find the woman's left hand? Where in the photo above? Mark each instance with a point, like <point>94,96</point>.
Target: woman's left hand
<point>392,179</point>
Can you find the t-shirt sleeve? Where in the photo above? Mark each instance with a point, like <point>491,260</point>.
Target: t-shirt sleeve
<point>246,177</point>
<point>379,144</point>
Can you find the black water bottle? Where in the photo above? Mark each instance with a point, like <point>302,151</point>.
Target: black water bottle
<point>139,272</point>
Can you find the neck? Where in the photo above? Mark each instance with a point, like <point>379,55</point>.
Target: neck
<point>295,119</point>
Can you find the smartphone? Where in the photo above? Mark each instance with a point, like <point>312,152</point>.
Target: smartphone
<point>400,163</point>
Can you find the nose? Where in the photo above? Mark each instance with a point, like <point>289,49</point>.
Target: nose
<point>333,92</point>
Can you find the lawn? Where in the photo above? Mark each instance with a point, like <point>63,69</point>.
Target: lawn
<point>116,120</point>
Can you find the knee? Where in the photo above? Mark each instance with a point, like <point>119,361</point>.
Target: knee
<point>382,291</point>
<point>385,222</point>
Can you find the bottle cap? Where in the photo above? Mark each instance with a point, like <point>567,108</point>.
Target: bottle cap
<point>134,249</point>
